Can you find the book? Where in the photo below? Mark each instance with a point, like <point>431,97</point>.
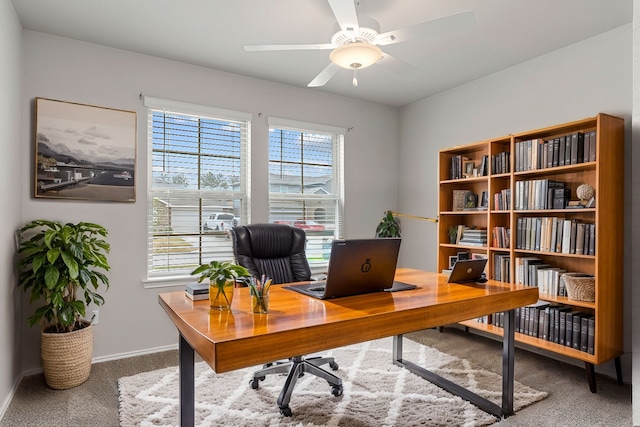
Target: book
<point>197,288</point>
<point>197,297</point>
<point>197,291</point>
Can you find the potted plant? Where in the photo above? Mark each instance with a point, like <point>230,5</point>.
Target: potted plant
<point>389,226</point>
<point>452,232</point>
<point>222,277</point>
<point>63,265</point>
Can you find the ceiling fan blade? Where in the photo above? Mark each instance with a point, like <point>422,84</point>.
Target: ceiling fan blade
<point>324,75</point>
<point>397,66</point>
<point>444,25</point>
<point>270,47</point>
<point>345,13</point>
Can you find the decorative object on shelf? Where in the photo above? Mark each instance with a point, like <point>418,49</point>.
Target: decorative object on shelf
<point>585,192</point>
<point>468,167</point>
<point>453,234</point>
<point>259,290</point>
<point>580,286</point>
<point>452,261</point>
<point>222,277</point>
<point>470,201</point>
<point>64,265</point>
<point>79,146</point>
<point>459,199</point>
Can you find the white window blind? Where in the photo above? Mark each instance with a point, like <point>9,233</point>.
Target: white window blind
<point>198,184</point>
<point>306,183</point>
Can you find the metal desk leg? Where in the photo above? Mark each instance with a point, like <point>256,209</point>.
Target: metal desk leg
<point>508,358</point>
<point>187,383</point>
<point>484,404</point>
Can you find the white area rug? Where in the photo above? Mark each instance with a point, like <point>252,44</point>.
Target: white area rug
<point>376,393</point>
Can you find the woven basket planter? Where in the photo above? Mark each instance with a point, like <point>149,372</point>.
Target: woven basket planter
<point>580,286</point>
<point>66,358</point>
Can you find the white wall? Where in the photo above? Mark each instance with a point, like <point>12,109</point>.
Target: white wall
<point>635,230</point>
<point>64,69</point>
<point>10,194</point>
<point>569,84</point>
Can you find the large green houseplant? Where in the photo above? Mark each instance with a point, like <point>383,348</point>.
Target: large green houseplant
<point>222,276</point>
<point>63,266</point>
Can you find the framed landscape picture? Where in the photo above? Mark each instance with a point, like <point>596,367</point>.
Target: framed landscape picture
<point>84,152</point>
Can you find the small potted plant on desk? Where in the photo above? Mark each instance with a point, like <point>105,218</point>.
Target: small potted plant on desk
<point>63,265</point>
<point>222,277</point>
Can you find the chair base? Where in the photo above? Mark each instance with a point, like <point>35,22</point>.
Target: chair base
<point>296,367</point>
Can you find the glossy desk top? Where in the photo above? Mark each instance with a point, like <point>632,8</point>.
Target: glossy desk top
<point>298,325</point>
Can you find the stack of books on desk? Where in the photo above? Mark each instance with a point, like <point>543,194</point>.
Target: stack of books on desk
<point>197,291</point>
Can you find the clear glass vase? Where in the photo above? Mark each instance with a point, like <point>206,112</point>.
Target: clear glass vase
<point>260,303</point>
<point>220,297</point>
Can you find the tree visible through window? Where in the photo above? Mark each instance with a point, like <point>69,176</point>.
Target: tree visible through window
<point>198,184</point>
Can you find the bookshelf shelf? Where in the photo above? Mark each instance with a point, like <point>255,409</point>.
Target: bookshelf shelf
<point>520,171</point>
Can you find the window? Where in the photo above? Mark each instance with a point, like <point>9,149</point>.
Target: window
<point>198,184</point>
<point>306,183</point>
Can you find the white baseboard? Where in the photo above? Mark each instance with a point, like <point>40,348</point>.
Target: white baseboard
<point>133,353</point>
<point>7,400</point>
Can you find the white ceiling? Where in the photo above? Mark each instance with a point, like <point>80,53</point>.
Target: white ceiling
<point>212,33</point>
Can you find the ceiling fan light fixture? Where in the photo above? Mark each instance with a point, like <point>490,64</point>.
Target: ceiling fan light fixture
<point>356,55</point>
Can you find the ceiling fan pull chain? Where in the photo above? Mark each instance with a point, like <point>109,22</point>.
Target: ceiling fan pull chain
<point>355,78</point>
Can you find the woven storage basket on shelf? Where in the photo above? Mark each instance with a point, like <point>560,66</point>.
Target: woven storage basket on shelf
<point>580,286</point>
<point>66,358</point>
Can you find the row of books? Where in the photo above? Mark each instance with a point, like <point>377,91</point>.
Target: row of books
<point>462,167</point>
<point>541,194</point>
<point>500,163</point>
<point>553,234</point>
<point>501,237</point>
<point>565,150</point>
<point>557,323</point>
<point>502,267</point>
<point>533,271</point>
<point>502,200</point>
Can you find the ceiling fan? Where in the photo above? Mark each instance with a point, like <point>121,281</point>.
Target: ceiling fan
<point>356,45</point>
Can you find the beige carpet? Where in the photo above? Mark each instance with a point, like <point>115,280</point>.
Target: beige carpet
<point>376,393</point>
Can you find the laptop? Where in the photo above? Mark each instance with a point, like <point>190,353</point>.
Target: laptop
<point>468,270</point>
<point>357,266</point>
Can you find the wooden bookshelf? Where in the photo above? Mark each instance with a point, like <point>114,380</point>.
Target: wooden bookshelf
<point>604,172</point>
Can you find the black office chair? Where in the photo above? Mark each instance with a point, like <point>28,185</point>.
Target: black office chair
<point>278,251</point>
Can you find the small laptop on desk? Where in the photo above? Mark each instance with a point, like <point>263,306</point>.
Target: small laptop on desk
<point>468,270</point>
<point>357,266</point>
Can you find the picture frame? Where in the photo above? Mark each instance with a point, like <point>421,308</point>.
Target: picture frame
<point>452,261</point>
<point>470,201</point>
<point>484,200</point>
<point>461,256</point>
<point>467,167</point>
<point>84,152</point>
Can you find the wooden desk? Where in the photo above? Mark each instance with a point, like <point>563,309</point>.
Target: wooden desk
<point>298,325</point>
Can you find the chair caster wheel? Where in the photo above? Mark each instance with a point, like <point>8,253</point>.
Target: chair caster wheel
<point>255,382</point>
<point>336,390</point>
<point>333,366</point>
<point>286,411</point>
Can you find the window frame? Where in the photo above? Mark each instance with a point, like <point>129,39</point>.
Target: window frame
<point>336,196</point>
<point>243,194</point>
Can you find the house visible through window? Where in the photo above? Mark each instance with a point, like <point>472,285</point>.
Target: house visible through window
<point>306,183</point>
<point>198,184</point>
